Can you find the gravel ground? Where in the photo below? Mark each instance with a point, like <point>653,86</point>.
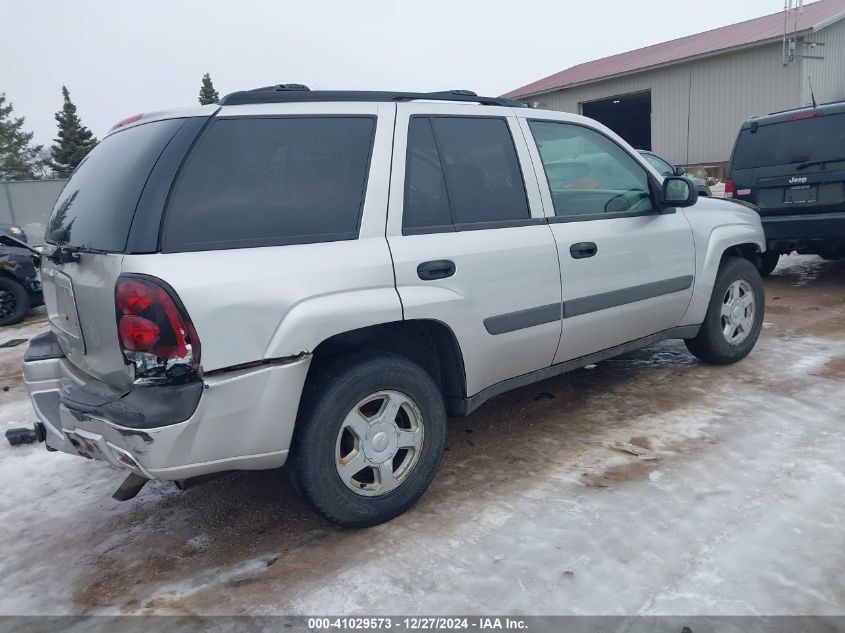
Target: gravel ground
<point>739,512</point>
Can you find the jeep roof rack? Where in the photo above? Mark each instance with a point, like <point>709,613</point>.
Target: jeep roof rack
<point>829,107</point>
<point>293,93</point>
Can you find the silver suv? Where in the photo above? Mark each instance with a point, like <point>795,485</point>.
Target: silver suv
<point>320,278</point>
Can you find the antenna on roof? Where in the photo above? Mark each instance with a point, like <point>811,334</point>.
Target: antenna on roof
<point>812,96</point>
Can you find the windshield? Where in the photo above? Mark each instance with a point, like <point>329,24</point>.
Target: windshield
<point>820,138</point>
<point>96,207</point>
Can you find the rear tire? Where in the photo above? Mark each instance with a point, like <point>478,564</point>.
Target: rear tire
<point>735,314</point>
<point>369,439</point>
<point>768,262</point>
<point>14,301</point>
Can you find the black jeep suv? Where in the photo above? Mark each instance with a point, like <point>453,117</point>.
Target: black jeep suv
<point>792,166</point>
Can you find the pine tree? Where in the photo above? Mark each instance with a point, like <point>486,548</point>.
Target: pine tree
<point>19,158</point>
<point>207,92</point>
<point>73,142</point>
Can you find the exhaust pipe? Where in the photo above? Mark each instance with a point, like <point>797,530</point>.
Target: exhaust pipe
<point>130,487</point>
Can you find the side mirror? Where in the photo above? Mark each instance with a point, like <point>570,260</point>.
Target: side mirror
<point>678,192</point>
<point>680,171</point>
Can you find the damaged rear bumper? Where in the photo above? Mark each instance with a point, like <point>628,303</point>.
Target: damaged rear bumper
<point>237,420</point>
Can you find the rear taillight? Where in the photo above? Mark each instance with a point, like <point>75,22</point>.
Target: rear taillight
<point>156,334</point>
<point>730,187</point>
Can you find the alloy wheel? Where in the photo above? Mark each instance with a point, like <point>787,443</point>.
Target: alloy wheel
<point>379,443</point>
<point>739,308</point>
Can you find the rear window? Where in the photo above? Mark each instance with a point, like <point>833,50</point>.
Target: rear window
<point>271,181</point>
<point>819,138</point>
<point>96,206</point>
<point>462,170</point>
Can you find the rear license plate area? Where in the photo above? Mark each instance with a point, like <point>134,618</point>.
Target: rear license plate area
<point>61,309</point>
<point>800,194</point>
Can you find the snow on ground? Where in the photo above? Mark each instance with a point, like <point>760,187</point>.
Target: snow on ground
<point>533,512</point>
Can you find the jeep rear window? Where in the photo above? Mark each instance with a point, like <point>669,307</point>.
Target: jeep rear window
<point>820,138</point>
<point>96,207</point>
<point>265,181</point>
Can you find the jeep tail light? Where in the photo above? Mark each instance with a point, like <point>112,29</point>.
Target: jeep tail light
<point>729,188</point>
<point>805,115</point>
<point>156,333</point>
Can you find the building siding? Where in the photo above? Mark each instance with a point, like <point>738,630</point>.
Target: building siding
<point>697,107</point>
<point>728,89</point>
<point>828,74</point>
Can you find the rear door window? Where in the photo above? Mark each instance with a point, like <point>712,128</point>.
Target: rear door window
<point>462,171</point>
<point>820,138</point>
<point>271,181</point>
<point>96,207</point>
<point>426,200</point>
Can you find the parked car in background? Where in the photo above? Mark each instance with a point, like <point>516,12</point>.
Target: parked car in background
<point>410,256</point>
<point>791,165</point>
<point>13,231</point>
<point>668,169</point>
<point>20,283</point>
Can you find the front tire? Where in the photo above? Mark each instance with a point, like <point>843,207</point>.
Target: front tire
<point>369,439</point>
<point>735,314</point>
<point>14,301</point>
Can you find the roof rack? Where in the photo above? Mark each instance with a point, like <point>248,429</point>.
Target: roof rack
<point>298,93</point>
<point>836,106</point>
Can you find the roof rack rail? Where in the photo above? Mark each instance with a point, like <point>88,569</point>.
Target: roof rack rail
<point>281,88</point>
<point>298,93</point>
<point>803,107</point>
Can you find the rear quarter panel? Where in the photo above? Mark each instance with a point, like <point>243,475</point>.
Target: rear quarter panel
<point>261,303</point>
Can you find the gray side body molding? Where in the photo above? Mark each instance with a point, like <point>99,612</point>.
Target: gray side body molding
<point>521,319</point>
<point>605,300</point>
<point>512,321</point>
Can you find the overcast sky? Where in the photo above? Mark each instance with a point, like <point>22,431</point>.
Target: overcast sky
<point>118,57</point>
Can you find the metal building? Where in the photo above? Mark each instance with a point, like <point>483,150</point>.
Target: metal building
<point>686,98</point>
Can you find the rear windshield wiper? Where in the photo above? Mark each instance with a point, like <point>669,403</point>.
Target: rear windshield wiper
<point>63,254</point>
<point>810,163</point>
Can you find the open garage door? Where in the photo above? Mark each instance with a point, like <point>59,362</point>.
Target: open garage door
<point>628,115</point>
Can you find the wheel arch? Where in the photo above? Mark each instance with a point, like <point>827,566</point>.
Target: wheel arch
<point>747,250</point>
<point>429,343</point>
<point>728,240</point>
<point>6,274</point>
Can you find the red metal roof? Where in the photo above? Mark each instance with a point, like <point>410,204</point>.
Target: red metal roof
<point>814,15</point>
